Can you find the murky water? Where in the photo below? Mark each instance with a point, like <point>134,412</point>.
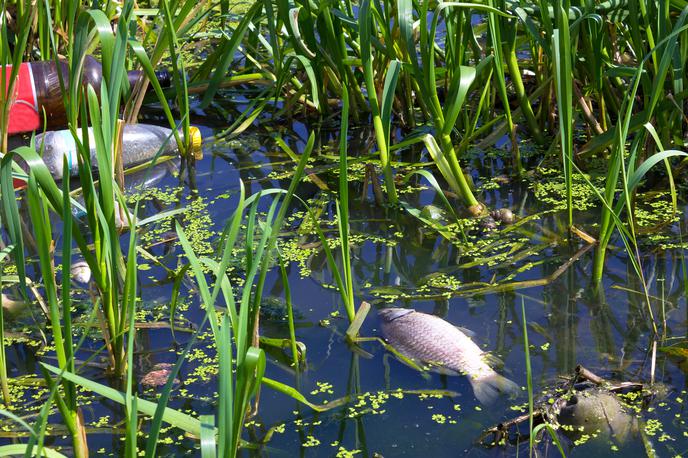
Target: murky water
<point>395,410</point>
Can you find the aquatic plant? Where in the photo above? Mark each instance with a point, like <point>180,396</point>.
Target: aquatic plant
<point>534,430</point>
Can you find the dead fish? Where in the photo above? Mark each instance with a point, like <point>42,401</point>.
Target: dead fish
<point>158,375</point>
<point>431,341</point>
<point>80,272</point>
<point>595,411</point>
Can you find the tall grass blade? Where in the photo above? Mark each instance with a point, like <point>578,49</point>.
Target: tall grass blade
<point>561,46</point>
<point>225,53</point>
<point>380,120</point>
<point>290,313</point>
<point>208,442</point>
<point>529,375</point>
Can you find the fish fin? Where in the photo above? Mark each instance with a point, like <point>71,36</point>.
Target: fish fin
<point>439,368</point>
<point>391,314</point>
<point>488,388</point>
<point>466,331</point>
<point>494,361</point>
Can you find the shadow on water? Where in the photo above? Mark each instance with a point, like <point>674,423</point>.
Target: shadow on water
<point>393,409</point>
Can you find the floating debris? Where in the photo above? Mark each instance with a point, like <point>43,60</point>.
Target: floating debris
<point>586,407</point>
<point>433,212</point>
<point>81,272</point>
<point>503,215</point>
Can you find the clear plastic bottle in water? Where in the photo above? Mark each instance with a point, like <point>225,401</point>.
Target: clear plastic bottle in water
<point>140,144</point>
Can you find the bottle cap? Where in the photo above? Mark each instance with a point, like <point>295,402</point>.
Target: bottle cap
<point>164,78</point>
<point>196,143</point>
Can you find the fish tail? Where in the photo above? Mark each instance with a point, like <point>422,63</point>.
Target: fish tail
<point>489,387</point>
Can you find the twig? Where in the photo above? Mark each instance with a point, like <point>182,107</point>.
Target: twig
<point>501,430</point>
<point>532,283</point>
<point>587,113</point>
<point>653,362</point>
<point>583,235</point>
<point>585,374</point>
<point>377,189</point>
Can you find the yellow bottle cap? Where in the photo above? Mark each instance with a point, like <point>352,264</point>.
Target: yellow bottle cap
<point>196,143</point>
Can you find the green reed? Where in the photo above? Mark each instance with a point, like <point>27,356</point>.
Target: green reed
<point>241,362</point>
<point>381,112</point>
<point>343,213</point>
<point>529,376</point>
<point>633,170</point>
<point>4,385</point>
<point>580,70</point>
<point>10,57</point>
<point>234,391</point>
<point>561,52</point>
<point>104,203</point>
<point>60,313</point>
<point>241,371</point>
<point>460,77</point>
<point>59,310</point>
<point>497,27</point>
<point>534,430</point>
<point>114,277</point>
<point>582,55</point>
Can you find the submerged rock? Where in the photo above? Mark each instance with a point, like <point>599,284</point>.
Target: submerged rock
<point>595,412</point>
<point>274,308</point>
<point>13,306</point>
<point>488,224</point>
<point>586,408</point>
<point>503,215</point>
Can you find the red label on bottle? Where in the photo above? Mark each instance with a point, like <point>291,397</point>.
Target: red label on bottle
<point>23,115</point>
<point>18,183</point>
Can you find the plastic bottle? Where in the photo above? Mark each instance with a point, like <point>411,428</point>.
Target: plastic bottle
<point>140,144</point>
<point>38,88</point>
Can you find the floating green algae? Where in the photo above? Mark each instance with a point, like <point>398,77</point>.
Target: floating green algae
<point>550,188</point>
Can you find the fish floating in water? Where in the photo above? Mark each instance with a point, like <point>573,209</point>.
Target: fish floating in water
<point>431,341</point>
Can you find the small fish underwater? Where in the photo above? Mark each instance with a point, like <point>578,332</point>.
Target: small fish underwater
<point>436,343</point>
